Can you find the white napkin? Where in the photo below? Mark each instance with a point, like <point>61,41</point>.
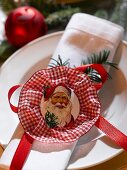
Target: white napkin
<point>84,34</point>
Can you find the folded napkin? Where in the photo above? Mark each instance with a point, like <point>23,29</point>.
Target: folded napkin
<point>83,36</point>
<point>86,34</point>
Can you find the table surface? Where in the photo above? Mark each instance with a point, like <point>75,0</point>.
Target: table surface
<point>1,150</point>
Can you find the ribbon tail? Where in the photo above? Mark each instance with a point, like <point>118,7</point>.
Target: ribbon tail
<point>22,152</point>
<point>112,132</point>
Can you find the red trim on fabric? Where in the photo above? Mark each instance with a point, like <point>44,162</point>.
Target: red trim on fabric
<point>112,132</point>
<point>22,152</point>
<point>100,69</point>
<point>10,93</point>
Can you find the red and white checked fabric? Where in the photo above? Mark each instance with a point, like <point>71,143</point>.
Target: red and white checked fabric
<point>30,98</point>
<point>34,124</point>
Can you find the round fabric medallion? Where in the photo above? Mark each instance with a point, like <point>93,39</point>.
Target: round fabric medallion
<point>59,104</point>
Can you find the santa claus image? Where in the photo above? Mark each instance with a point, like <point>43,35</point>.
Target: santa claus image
<point>57,106</point>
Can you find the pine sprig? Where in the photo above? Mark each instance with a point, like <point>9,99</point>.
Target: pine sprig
<point>60,18</point>
<point>97,58</point>
<point>6,50</point>
<point>51,120</point>
<point>8,5</point>
<point>111,64</point>
<point>59,62</point>
<point>101,58</point>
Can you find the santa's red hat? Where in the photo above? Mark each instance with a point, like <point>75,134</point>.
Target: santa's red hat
<point>61,87</point>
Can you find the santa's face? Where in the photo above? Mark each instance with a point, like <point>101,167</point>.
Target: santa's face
<point>60,100</point>
<point>57,109</point>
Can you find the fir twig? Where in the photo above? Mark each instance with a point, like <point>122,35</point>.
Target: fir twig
<point>59,62</point>
<point>61,17</point>
<point>6,50</point>
<point>101,58</point>
<point>7,5</point>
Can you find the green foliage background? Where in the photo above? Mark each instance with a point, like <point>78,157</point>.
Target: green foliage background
<point>58,15</point>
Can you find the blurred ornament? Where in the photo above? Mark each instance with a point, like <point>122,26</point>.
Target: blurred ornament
<point>23,25</point>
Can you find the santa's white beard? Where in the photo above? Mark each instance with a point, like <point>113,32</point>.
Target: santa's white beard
<point>63,114</point>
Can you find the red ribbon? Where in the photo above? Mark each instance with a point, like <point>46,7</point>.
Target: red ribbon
<point>11,91</point>
<point>22,152</point>
<point>100,69</point>
<point>112,132</point>
<point>25,144</point>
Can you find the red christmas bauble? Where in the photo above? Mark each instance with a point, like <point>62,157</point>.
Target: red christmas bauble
<point>23,25</point>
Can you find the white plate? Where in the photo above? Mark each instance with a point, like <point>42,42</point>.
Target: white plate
<point>36,55</point>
